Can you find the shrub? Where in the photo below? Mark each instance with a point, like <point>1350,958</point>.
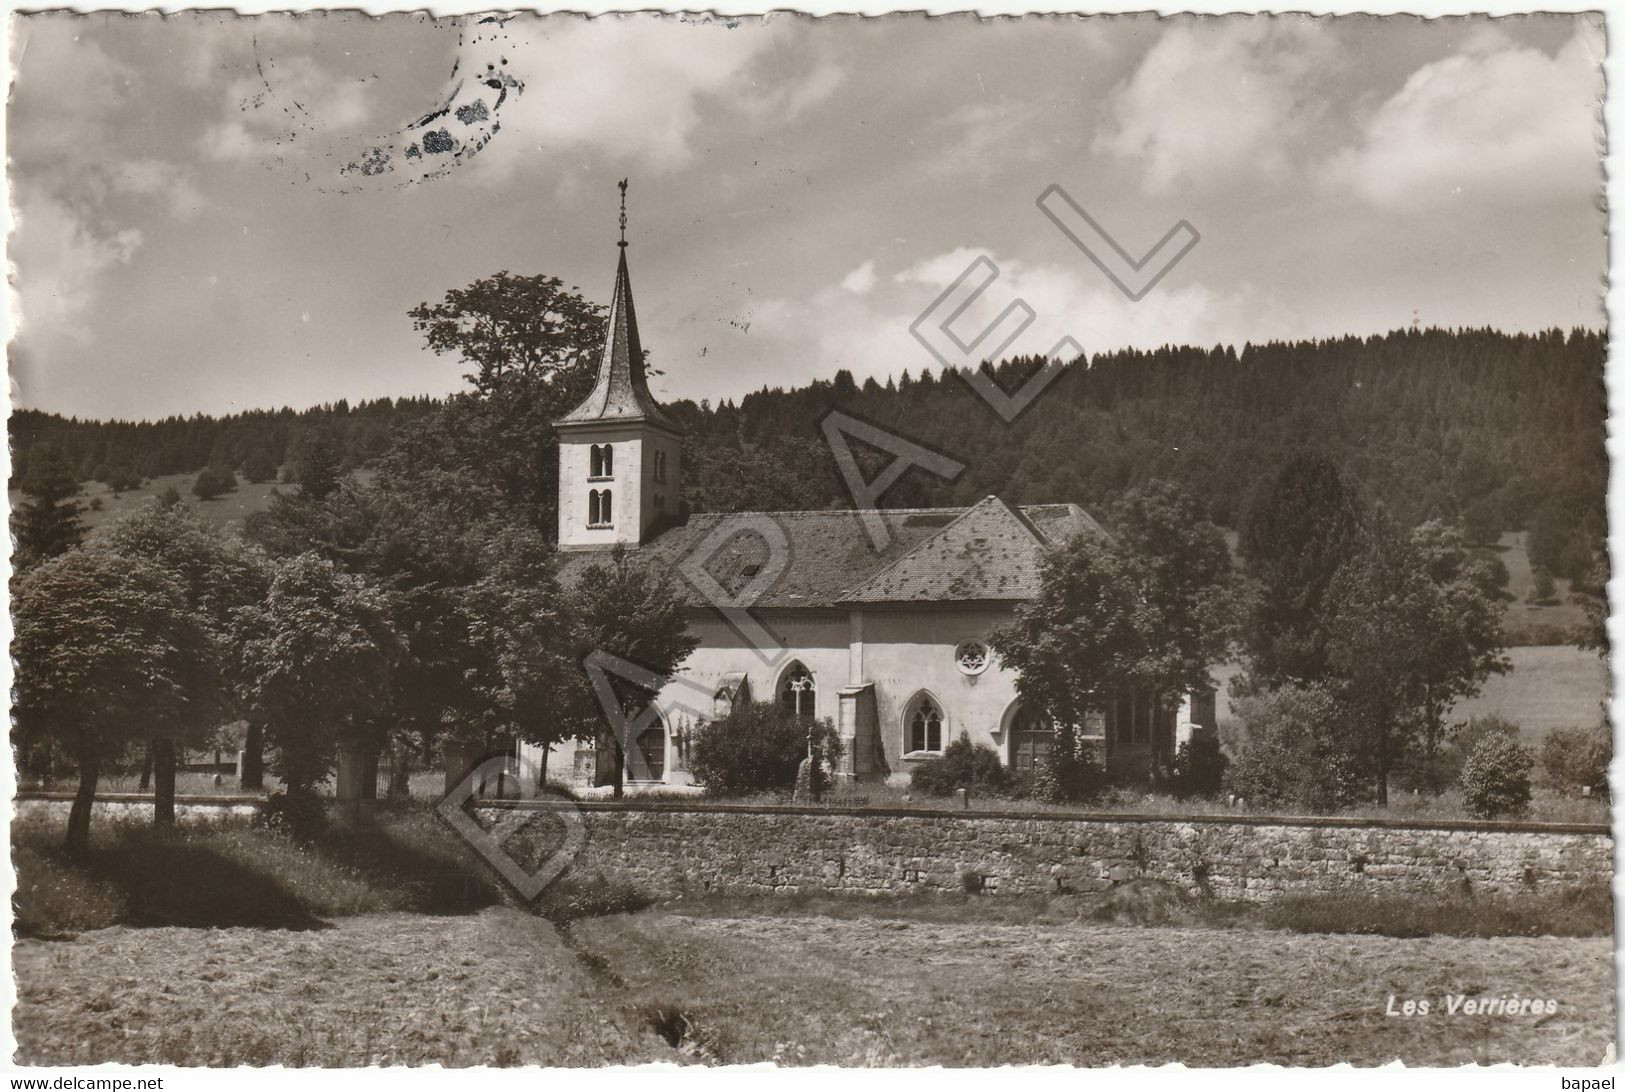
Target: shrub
<point>1198,768</point>
<point>758,747</point>
<point>304,817</point>
<point>121,479</point>
<point>1291,752</point>
<point>963,765</point>
<point>1577,758</point>
<point>212,482</point>
<point>259,466</point>
<point>1443,770</point>
<point>1495,781</point>
<point>572,897</point>
<point>1068,775</point>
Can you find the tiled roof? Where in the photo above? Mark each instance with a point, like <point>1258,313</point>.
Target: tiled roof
<point>621,395</point>
<point>988,551</point>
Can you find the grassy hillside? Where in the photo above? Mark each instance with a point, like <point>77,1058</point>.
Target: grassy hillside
<point>229,510</point>
<point>1558,686</point>
<point>1526,622</point>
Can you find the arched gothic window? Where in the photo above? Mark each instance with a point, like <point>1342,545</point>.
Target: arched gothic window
<point>925,726</point>
<point>660,466</point>
<point>602,461</point>
<point>600,508</point>
<point>797,692</point>
<point>1030,739</point>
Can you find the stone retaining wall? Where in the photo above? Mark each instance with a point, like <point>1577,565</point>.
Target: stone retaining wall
<point>697,848</point>
<point>112,810</point>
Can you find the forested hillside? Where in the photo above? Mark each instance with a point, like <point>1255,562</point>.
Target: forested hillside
<point>257,443</point>
<point>1493,431</point>
<point>1499,432</point>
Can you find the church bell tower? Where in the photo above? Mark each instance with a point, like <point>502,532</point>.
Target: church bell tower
<point>620,455</point>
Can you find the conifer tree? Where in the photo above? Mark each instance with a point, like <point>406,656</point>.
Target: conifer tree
<point>47,523</point>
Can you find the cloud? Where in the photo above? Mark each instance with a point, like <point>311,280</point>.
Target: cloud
<point>296,98</point>
<point>1220,102</point>
<point>1493,124</point>
<point>630,85</point>
<point>861,280</point>
<point>156,178</point>
<point>69,136</point>
<point>867,333</point>
<point>1077,303</point>
<point>814,88</point>
<point>63,258</point>
<point>979,139</point>
<point>784,95</point>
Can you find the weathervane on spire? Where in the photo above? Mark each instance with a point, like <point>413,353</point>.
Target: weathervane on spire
<point>623,212</point>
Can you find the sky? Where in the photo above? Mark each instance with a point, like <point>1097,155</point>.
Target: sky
<point>215,213</point>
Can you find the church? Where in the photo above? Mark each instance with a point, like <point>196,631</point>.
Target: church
<point>886,635</point>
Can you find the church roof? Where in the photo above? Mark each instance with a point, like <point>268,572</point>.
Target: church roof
<point>989,551</point>
<point>621,395</point>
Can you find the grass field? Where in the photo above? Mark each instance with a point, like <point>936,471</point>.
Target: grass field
<point>1524,619</point>
<point>388,943</point>
<point>228,510</point>
<point>1551,686</point>
<point>502,987</point>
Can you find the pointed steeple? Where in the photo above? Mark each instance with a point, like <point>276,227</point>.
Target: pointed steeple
<point>621,394</point>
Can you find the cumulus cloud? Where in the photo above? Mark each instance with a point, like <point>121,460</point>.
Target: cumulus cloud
<point>796,339</point>
<point>861,280</point>
<point>1076,303</point>
<point>60,258</point>
<point>796,94</point>
<point>70,112</point>
<point>1217,103</point>
<point>1494,123</point>
<point>156,178</point>
<point>632,84</point>
<point>978,139</point>
<point>296,98</point>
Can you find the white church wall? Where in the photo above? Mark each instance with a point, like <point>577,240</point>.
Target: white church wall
<point>819,641</point>
<point>906,651</point>
<point>903,652</point>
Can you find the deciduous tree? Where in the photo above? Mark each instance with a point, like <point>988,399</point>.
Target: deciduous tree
<point>219,573</point>
<point>636,613</point>
<point>1088,636</point>
<point>512,326</point>
<point>109,652</point>
<point>318,653</point>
